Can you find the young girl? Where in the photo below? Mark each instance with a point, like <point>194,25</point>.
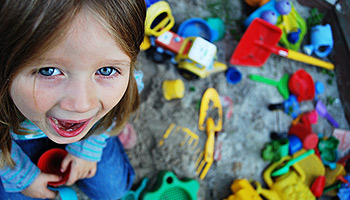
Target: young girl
<point>66,77</point>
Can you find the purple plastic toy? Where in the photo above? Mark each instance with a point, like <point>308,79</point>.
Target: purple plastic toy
<point>322,111</point>
<point>269,16</point>
<point>283,7</point>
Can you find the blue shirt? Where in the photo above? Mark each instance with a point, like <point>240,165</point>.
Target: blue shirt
<point>25,171</point>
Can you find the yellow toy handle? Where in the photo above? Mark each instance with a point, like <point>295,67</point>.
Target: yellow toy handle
<point>209,145</point>
<point>309,59</point>
<point>294,55</point>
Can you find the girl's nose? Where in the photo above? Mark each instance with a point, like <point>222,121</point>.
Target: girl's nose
<point>80,96</point>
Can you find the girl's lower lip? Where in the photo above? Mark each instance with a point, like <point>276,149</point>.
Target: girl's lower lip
<point>69,134</point>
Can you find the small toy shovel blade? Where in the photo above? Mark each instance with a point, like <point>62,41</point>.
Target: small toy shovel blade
<point>282,84</point>
<point>285,168</point>
<point>322,111</point>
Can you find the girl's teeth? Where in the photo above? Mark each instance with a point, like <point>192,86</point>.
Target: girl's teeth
<point>67,126</point>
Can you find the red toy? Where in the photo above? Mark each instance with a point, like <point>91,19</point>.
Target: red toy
<point>50,162</point>
<point>305,134</point>
<point>302,85</point>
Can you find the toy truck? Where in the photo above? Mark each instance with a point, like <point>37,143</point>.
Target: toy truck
<point>195,56</point>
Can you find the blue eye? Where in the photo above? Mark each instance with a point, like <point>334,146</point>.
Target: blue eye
<point>49,71</point>
<point>106,71</point>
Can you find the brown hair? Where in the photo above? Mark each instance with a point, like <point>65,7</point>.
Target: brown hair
<point>29,28</point>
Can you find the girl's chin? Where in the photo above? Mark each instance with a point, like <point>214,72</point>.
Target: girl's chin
<point>63,140</point>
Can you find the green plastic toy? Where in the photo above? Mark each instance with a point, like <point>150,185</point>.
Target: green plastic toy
<point>282,84</point>
<point>169,187</point>
<point>291,162</point>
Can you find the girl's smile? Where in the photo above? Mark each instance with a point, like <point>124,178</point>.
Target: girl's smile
<point>75,83</point>
<point>69,128</point>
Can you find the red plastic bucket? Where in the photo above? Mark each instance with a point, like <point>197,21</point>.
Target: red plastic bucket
<point>50,162</point>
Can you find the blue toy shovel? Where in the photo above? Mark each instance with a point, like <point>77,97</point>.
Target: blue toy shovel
<point>282,84</point>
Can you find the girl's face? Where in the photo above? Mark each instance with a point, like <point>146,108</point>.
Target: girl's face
<point>72,86</point>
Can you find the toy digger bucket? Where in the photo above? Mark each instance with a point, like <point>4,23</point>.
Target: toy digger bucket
<point>260,40</point>
<point>158,19</point>
<point>210,95</point>
<point>210,101</point>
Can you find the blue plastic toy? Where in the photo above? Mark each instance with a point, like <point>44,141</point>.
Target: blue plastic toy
<point>321,41</point>
<point>290,106</point>
<point>195,27</point>
<point>233,76</point>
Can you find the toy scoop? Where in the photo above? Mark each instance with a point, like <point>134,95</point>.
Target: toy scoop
<point>260,40</point>
<point>282,84</point>
<point>322,111</point>
<point>285,168</point>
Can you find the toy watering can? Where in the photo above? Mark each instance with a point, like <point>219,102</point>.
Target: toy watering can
<point>289,186</point>
<point>243,190</point>
<point>321,41</point>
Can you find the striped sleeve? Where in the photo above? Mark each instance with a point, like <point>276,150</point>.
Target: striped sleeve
<point>89,149</point>
<point>22,175</point>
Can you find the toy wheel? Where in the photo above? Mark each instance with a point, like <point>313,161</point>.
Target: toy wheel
<point>188,75</point>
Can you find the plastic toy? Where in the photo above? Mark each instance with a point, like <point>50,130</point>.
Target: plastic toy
<point>328,150</point>
<point>173,89</point>
<point>256,3</point>
<point>282,14</point>
<point>322,111</point>
<point>282,84</point>
<point>195,27</point>
<point>311,166</point>
<point>332,177</point>
<point>233,76</point>
<point>289,186</point>
<point>319,89</point>
<point>195,56</point>
<point>65,193</point>
<point>205,160</point>
<point>135,195</point>
<point>308,118</point>
<point>295,144</point>
<point>344,141</point>
<point>344,191</point>
<point>318,186</point>
<point>290,106</point>
<point>285,168</point>
<point>50,162</point>
<point>158,18</point>
<point>260,40</point>
<point>243,190</point>
<point>269,16</point>
<point>217,27</point>
<point>302,85</point>
<point>305,134</point>
<point>321,41</point>
<point>275,150</point>
<point>171,188</point>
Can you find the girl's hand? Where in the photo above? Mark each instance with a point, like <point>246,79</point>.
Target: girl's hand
<point>80,168</point>
<point>38,189</point>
